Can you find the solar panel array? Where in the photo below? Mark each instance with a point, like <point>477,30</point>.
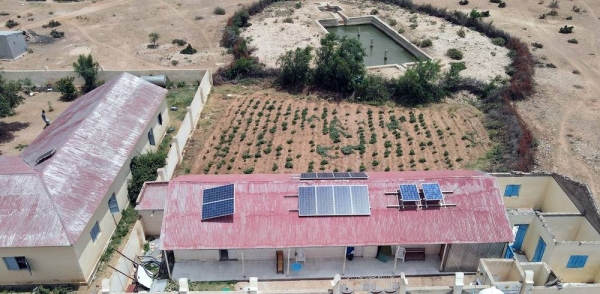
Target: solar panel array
<point>409,193</point>
<point>218,201</point>
<point>333,200</point>
<point>334,176</point>
<point>432,191</point>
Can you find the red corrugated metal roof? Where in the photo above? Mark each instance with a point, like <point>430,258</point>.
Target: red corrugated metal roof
<point>263,219</point>
<point>152,196</point>
<point>10,165</point>
<point>93,139</point>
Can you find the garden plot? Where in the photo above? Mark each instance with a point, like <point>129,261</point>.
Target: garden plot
<point>259,130</point>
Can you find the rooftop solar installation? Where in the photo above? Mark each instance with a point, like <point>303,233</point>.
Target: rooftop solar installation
<point>218,201</point>
<point>335,175</point>
<point>409,193</point>
<point>432,191</point>
<point>333,200</point>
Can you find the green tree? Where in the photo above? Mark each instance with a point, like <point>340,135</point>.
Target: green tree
<point>9,96</point>
<point>374,89</point>
<point>87,69</point>
<point>420,84</point>
<point>339,64</point>
<point>143,169</point>
<point>295,68</point>
<point>153,38</point>
<point>66,88</point>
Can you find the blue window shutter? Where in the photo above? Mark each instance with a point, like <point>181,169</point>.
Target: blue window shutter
<point>151,137</point>
<point>512,190</point>
<point>95,231</point>
<point>577,261</point>
<point>11,263</point>
<point>113,205</point>
<point>582,261</point>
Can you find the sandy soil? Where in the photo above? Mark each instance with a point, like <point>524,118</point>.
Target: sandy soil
<point>564,111</point>
<point>241,124</point>
<point>272,37</point>
<point>21,129</point>
<point>116,32</point>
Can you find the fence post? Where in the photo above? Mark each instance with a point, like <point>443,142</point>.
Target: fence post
<point>183,286</point>
<point>175,143</point>
<point>403,284</point>
<point>459,283</point>
<point>105,286</point>
<point>189,112</point>
<point>161,174</point>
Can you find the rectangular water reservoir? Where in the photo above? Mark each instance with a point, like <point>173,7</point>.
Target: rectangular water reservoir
<point>381,42</point>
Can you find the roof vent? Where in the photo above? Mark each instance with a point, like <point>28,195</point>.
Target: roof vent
<point>45,156</point>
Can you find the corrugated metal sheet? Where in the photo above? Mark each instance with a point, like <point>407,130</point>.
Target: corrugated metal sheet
<point>263,218</point>
<point>12,165</point>
<point>153,196</point>
<point>93,139</point>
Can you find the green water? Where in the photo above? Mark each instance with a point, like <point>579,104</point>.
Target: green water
<point>381,42</point>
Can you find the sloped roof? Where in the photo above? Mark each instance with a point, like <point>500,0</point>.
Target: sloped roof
<point>152,196</point>
<point>93,139</point>
<point>264,218</point>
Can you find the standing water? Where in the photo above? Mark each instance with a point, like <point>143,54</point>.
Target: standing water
<point>381,42</point>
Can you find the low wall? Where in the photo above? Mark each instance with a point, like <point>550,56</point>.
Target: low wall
<point>188,125</point>
<point>135,244</point>
<point>44,77</point>
<point>381,25</point>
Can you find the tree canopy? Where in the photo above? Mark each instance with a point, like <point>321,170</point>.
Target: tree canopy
<point>295,68</point>
<point>10,97</point>
<point>87,69</point>
<point>66,88</point>
<point>339,64</point>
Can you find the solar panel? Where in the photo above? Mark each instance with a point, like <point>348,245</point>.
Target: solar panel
<point>341,175</point>
<point>343,200</point>
<point>307,204</point>
<point>218,201</point>
<point>360,200</point>
<point>409,193</point>
<point>308,176</point>
<point>217,194</point>
<point>217,209</point>
<point>432,191</point>
<point>333,200</point>
<point>358,175</point>
<point>325,175</point>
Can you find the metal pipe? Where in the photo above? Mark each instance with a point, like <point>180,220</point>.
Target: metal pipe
<point>359,31</point>
<point>395,259</point>
<point>127,257</point>
<point>243,265</point>
<point>288,262</point>
<point>371,42</point>
<point>385,55</point>
<point>344,266</point>
<point>132,278</point>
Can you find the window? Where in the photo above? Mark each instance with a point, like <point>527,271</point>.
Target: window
<point>160,119</point>
<point>113,205</point>
<point>95,232</point>
<point>512,190</point>
<point>577,261</point>
<point>151,137</point>
<point>16,263</point>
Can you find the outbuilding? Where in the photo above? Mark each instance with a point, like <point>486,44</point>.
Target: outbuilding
<point>12,44</point>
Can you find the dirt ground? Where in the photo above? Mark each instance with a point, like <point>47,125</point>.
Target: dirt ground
<point>273,37</point>
<point>116,32</point>
<point>21,129</point>
<point>259,130</point>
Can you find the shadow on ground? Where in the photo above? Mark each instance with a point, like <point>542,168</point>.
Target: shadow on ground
<point>8,130</point>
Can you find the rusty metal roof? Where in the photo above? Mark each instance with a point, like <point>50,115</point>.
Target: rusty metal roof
<point>264,218</point>
<point>152,196</point>
<point>93,139</point>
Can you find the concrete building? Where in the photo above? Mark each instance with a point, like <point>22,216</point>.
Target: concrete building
<point>556,221</point>
<point>12,44</point>
<point>267,235</point>
<point>61,199</point>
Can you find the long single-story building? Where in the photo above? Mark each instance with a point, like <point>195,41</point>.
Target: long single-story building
<point>61,199</point>
<point>270,226</point>
<point>12,44</point>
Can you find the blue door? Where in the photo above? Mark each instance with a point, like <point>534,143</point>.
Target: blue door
<point>520,236</point>
<point>509,252</point>
<point>539,250</point>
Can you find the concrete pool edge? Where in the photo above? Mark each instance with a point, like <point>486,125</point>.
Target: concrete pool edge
<point>382,26</point>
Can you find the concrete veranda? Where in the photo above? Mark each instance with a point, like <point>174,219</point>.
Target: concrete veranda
<point>311,269</point>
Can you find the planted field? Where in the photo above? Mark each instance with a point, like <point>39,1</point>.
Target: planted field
<point>264,131</point>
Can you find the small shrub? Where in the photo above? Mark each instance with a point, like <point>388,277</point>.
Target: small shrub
<point>188,50</point>
<point>275,167</point>
<point>392,22</point>
<point>502,5</point>
<point>179,42</point>
<point>219,10</point>
<point>576,72</point>
<point>11,24</point>
<point>495,1</point>
<point>51,24</point>
<point>426,43</point>
<point>249,170</point>
<point>552,13</point>
<point>550,65</point>
<point>463,2</point>
<point>569,18</point>
<point>576,8</point>
<point>374,12</point>
<point>288,20</point>
<point>199,17</point>
<point>56,34</point>
<point>542,16</point>
<point>454,54</point>
<point>554,4</point>
<point>537,45</point>
<point>375,163</point>
<point>498,41</point>
<point>461,33</point>
<point>566,29</point>
<point>573,41</point>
